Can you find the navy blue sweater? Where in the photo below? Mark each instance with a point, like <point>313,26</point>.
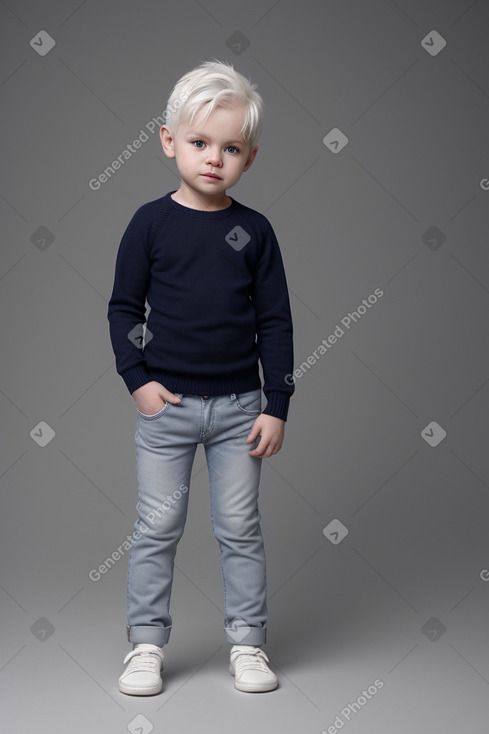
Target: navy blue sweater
<point>217,292</point>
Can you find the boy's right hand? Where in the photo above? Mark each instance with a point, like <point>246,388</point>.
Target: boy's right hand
<point>152,396</point>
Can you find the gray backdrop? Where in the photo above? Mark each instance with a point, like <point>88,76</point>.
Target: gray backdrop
<point>373,169</point>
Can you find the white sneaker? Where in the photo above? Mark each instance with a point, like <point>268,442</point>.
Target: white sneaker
<point>142,677</point>
<point>251,672</point>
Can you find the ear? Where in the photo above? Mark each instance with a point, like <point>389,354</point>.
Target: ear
<point>251,158</point>
<point>167,141</point>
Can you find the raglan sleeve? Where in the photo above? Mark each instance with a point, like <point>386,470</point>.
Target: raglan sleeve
<point>274,328</point>
<point>127,305</point>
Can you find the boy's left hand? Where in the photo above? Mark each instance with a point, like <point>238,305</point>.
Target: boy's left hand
<point>271,431</point>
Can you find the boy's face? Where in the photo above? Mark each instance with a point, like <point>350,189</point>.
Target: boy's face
<point>210,157</point>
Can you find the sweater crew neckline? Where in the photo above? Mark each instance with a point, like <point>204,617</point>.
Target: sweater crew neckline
<point>201,213</point>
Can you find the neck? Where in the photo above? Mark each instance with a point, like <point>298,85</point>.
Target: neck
<point>194,200</point>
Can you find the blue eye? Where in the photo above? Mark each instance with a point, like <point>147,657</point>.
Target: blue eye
<point>234,149</point>
<point>198,143</point>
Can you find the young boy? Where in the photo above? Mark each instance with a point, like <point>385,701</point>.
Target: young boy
<point>212,273</point>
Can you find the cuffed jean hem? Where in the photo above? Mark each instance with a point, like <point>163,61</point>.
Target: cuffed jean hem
<point>245,635</point>
<point>150,635</point>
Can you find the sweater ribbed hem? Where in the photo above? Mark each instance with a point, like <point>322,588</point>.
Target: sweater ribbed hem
<point>135,377</point>
<point>277,402</point>
<point>193,385</point>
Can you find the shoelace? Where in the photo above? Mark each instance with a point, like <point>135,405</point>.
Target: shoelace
<point>143,660</point>
<point>252,660</point>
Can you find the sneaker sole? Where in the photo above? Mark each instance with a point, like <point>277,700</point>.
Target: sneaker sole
<point>253,689</point>
<point>133,691</point>
<point>249,687</point>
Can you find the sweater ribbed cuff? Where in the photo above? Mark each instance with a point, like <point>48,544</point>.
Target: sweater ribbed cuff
<point>277,405</point>
<point>135,377</point>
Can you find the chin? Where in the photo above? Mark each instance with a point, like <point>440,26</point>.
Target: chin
<point>219,188</point>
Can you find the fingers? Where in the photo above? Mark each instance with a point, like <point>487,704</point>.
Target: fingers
<point>266,449</point>
<point>253,434</point>
<point>169,397</point>
<point>152,396</point>
<point>166,395</point>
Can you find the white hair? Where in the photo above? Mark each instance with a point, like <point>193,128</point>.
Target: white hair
<point>210,85</point>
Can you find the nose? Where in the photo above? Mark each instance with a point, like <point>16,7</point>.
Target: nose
<point>214,157</point>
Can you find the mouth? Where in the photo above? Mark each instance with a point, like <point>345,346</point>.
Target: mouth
<point>211,176</point>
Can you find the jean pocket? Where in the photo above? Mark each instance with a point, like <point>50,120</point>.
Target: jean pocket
<point>162,411</point>
<point>153,416</point>
<point>249,402</point>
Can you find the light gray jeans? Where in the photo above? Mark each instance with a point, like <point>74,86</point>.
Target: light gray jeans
<point>165,448</point>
